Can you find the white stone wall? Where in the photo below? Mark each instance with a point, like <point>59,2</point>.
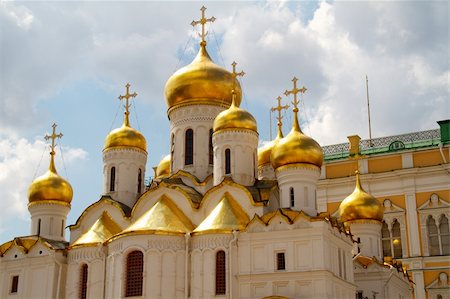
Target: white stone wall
<point>369,232</point>
<point>200,119</point>
<point>49,220</point>
<point>127,162</point>
<point>243,145</point>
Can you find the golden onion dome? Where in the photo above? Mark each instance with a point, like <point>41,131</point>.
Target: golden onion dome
<point>50,187</point>
<point>296,148</point>
<point>234,118</point>
<point>265,151</point>
<point>163,169</point>
<point>125,136</point>
<point>360,205</point>
<point>201,82</point>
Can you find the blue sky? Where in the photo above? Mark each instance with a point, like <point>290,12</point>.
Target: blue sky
<point>67,62</point>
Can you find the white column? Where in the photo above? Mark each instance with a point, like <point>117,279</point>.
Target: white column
<point>413,225</point>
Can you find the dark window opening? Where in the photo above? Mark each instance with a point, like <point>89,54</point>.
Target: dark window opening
<point>227,161</point>
<point>292,197</point>
<point>139,181</point>
<point>14,284</point>
<point>211,150</point>
<point>83,281</point>
<point>220,273</point>
<point>112,181</point>
<point>134,274</point>
<point>39,227</point>
<point>189,147</point>
<point>281,263</point>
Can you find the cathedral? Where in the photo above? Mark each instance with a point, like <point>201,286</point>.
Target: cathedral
<point>222,218</point>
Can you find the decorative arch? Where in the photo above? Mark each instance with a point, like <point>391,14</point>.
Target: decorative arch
<point>134,271</point>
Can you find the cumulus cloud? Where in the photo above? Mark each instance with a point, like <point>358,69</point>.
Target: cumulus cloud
<point>19,166</point>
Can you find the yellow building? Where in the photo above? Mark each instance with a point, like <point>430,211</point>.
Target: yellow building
<point>410,175</point>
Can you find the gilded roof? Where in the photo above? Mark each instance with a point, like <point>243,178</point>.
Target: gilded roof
<point>102,229</point>
<point>163,169</point>
<point>234,118</point>
<point>25,244</point>
<point>226,217</point>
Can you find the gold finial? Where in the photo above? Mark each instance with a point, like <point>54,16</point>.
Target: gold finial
<point>127,105</point>
<point>279,108</point>
<point>295,102</point>
<point>202,22</point>
<point>234,75</point>
<point>52,153</point>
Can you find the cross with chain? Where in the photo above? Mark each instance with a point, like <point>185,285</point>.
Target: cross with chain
<point>202,22</point>
<point>294,91</point>
<point>279,108</point>
<point>235,74</point>
<point>127,97</point>
<point>53,138</point>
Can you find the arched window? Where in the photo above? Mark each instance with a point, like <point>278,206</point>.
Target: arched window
<point>386,240</point>
<point>211,150</point>
<point>83,281</point>
<point>134,274</point>
<point>291,197</point>
<point>445,235</point>
<point>433,236</point>
<point>227,161</point>
<point>172,149</point>
<point>189,147</point>
<point>62,227</point>
<point>112,181</point>
<point>396,239</point>
<point>139,181</point>
<point>220,273</point>
<point>39,227</point>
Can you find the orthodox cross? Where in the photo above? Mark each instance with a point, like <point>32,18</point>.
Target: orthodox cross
<point>279,108</point>
<point>235,74</point>
<point>53,138</point>
<point>127,97</point>
<point>202,22</point>
<point>294,91</point>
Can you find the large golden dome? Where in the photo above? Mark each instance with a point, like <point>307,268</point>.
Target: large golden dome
<point>234,118</point>
<point>163,169</point>
<point>125,136</point>
<point>50,187</point>
<point>360,205</point>
<point>201,82</point>
<point>296,148</point>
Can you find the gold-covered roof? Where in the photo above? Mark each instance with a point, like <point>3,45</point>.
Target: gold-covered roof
<point>163,169</point>
<point>201,82</point>
<point>234,118</point>
<point>102,229</point>
<point>265,151</point>
<point>360,205</point>
<point>50,187</point>
<point>227,216</point>
<point>165,217</point>
<point>26,243</point>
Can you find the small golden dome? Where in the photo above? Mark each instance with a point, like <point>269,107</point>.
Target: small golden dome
<point>163,169</point>
<point>360,205</point>
<point>265,151</point>
<point>234,118</point>
<point>201,82</point>
<point>296,148</point>
<point>125,136</point>
<point>50,187</point>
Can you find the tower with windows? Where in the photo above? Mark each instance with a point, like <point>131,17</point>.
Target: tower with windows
<point>124,159</point>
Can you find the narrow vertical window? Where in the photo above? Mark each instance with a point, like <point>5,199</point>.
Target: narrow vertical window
<point>433,237</point>
<point>211,150</point>
<point>386,240</point>
<point>220,273</point>
<point>396,239</point>
<point>189,147</point>
<point>445,235</point>
<point>344,264</point>
<point>227,161</point>
<point>83,281</point>
<point>39,227</point>
<point>291,197</point>
<point>51,226</point>
<point>62,227</point>
<point>340,262</point>
<point>134,274</point>
<point>172,150</point>
<point>14,284</point>
<point>139,181</point>
<point>112,180</point>
<point>281,262</point>
<point>305,190</point>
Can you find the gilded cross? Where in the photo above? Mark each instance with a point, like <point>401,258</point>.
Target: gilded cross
<point>202,22</point>
<point>235,74</point>
<point>294,91</point>
<point>279,108</point>
<point>127,97</point>
<point>53,138</point>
